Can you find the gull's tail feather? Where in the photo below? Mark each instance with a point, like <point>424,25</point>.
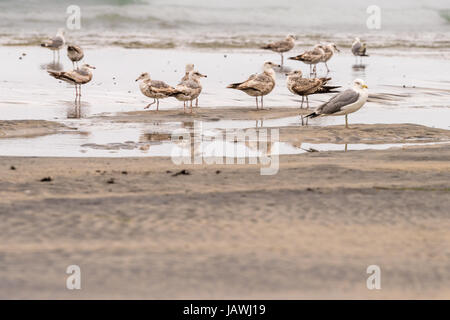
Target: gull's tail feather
<point>46,44</point>
<point>56,74</point>
<point>328,89</point>
<point>312,115</point>
<point>234,85</point>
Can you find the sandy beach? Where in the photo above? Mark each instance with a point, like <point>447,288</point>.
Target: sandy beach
<point>99,182</point>
<point>138,230</point>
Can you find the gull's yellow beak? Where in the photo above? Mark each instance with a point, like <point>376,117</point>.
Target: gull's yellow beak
<point>364,86</point>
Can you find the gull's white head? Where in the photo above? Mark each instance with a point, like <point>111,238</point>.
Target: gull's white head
<point>60,33</point>
<point>357,39</point>
<point>291,37</point>
<point>333,47</point>
<point>295,73</point>
<point>189,67</point>
<point>269,65</point>
<point>143,76</point>
<point>359,84</point>
<point>87,66</point>
<point>197,75</point>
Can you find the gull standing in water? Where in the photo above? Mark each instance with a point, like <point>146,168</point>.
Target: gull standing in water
<point>359,49</point>
<point>75,54</point>
<point>281,46</point>
<point>55,43</point>
<point>348,101</point>
<point>76,77</point>
<point>154,89</point>
<point>189,67</point>
<point>305,87</point>
<point>329,50</point>
<point>258,85</point>
<point>311,57</point>
<point>189,89</point>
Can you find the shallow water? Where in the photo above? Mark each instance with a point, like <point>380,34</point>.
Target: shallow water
<point>405,86</point>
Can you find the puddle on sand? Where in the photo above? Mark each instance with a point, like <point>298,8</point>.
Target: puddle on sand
<point>155,140</point>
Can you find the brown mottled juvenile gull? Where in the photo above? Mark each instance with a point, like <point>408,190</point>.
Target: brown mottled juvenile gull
<point>281,46</point>
<point>348,101</point>
<point>307,86</point>
<point>359,49</point>
<point>190,89</point>
<point>329,50</point>
<point>75,54</point>
<point>55,43</point>
<point>76,77</point>
<point>258,85</point>
<point>154,89</point>
<point>311,57</point>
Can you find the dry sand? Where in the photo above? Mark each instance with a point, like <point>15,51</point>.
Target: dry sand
<point>139,231</point>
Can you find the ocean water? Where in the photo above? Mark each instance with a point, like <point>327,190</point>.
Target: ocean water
<point>227,24</point>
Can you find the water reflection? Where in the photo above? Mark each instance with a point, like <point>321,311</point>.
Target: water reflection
<point>52,66</point>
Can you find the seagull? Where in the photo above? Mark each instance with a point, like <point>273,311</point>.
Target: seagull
<point>348,101</point>
<point>75,54</point>
<point>311,57</point>
<point>305,87</point>
<point>359,49</point>
<point>281,46</point>
<point>55,43</point>
<point>188,69</point>
<point>329,50</point>
<point>154,89</point>
<point>190,89</point>
<point>258,85</point>
<point>75,77</point>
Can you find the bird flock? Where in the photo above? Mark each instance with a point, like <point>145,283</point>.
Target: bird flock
<point>259,85</point>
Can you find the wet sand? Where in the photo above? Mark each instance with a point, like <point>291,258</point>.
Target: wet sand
<point>139,230</point>
<point>29,128</point>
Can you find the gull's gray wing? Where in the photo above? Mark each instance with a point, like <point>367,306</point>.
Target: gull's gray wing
<point>356,47</point>
<point>339,101</point>
<point>56,42</point>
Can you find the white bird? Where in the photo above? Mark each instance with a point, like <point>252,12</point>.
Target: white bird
<point>55,43</point>
<point>329,50</point>
<point>154,89</point>
<point>75,54</point>
<point>344,103</point>
<point>190,89</point>
<point>258,85</point>
<point>76,77</point>
<point>281,46</point>
<point>359,49</point>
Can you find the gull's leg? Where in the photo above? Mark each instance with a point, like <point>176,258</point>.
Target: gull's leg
<point>157,104</point>
<point>79,89</point>
<point>257,103</point>
<point>196,103</point>
<point>150,104</point>
<point>301,106</point>
<point>184,106</point>
<point>191,106</point>
<point>326,65</point>
<point>307,103</point>
<point>346,121</point>
<point>262,104</point>
<point>282,58</point>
